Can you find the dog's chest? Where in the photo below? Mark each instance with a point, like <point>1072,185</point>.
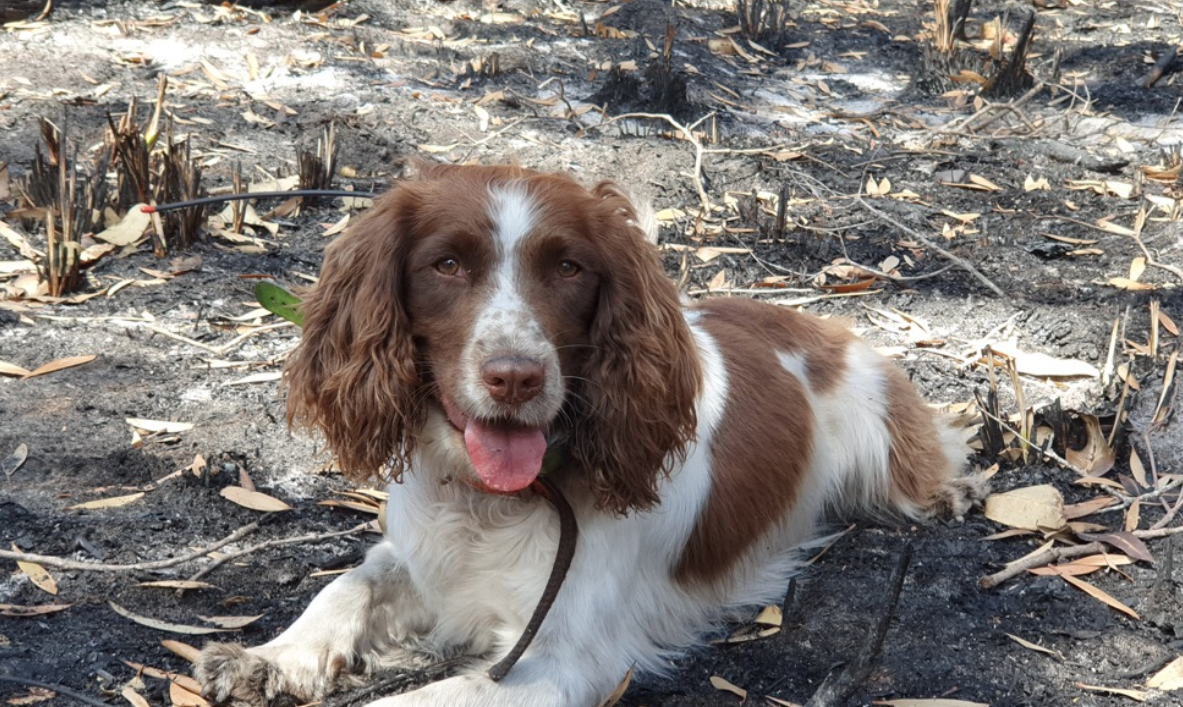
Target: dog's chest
<point>474,554</point>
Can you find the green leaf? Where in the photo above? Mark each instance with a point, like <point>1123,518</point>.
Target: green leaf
<point>279,301</point>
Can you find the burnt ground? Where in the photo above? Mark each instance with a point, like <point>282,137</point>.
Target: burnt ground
<point>823,110</point>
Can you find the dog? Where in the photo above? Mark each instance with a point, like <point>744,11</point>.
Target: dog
<point>483,323</point>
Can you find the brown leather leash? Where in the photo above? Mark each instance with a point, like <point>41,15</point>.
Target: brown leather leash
<point>568,530</point>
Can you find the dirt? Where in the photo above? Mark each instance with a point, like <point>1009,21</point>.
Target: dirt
<point>813,119</point>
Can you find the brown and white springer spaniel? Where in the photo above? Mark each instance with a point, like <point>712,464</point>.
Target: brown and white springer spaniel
<point>479,318</point>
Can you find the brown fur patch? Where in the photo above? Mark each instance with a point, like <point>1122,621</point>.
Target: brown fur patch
<point>762,449</point>
<point>821,343</point>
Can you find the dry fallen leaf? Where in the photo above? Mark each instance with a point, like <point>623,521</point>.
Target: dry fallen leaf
<point>231,622</point>
<point>1034,646</point>
<point>669,215</point>
<point>60,364</point>
<point>1087,508</point>
<point>1128,543</point>
<point>186,651</point>
<point>1096,457</point>
<point>129,230</point>
<point>1136,695</point>
<point>163,426</point>
<point>133,697</point>
<point>720,684</point>
<point>164,625</point>
<point>1168,323</point>
<point>770,615</point>
<point>618,693</point>
<point>11,369</point>
<point>255,500</point>
<point>1169,678</point>
<point>17,610</point>
<point>1137,470</point>
<point>1125,283</point>
<point>1031,507</point>
<point>984,183</point>
<point>14,461</point>
<point>1100,595</point>
<point>113,502</point>
<point>37,574</point>
<point>1044,366</point>
<point>185,698</point>
<point>1030,183</point>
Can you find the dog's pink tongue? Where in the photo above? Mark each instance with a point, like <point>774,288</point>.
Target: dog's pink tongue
<point>506,457</point>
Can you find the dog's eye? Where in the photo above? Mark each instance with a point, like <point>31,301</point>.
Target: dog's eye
<point>449,266</point>
<point>567,268</point>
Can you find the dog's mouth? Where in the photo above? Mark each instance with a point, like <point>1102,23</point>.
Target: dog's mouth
<point>506,456</point>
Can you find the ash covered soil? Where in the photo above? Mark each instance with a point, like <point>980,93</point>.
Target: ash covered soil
<point>872,171</point>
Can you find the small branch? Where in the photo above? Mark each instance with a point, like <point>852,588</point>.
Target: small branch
<point>278,542</point>
<point>838,688</point>
<point>1139,222</point>
<point>224,348</point>
<point>68,564</point>
<point>688,132</point>
<point>1160,66</point>
<point>991,107</point>
<point>1063,553</point>
<point>964,265</point>
<point>63,691</point>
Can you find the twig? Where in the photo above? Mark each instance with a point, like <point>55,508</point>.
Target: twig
<point>64,691</point>
<point>68,564</point>
<point>1171,510</point>
<point>224,348</point>
<point>1127,501</point>
<point>310,538</point>
<point>747,291</point>
<point>991,107</point>
<point>837,688</point>
<point>1160,66</point>
<point>688,132</point>
<point>964,265</point>
<point>1139,222</point>
<point>1063,553</point>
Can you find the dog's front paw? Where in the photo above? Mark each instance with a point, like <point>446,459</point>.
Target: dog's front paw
<point>231,675</point>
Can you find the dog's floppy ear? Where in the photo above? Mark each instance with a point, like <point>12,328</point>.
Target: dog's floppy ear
<point>643,373</point>
<point>353,375</point>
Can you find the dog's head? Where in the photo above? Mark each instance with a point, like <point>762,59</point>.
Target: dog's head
<point>494,311</point>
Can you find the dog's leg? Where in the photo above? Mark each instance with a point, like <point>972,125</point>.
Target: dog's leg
<point>539,680</point>
<point>356,622</point>
<point>599,626</point>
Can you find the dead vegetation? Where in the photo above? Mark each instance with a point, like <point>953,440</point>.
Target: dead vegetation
<point>764,21</point>
<point>949,61</point>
